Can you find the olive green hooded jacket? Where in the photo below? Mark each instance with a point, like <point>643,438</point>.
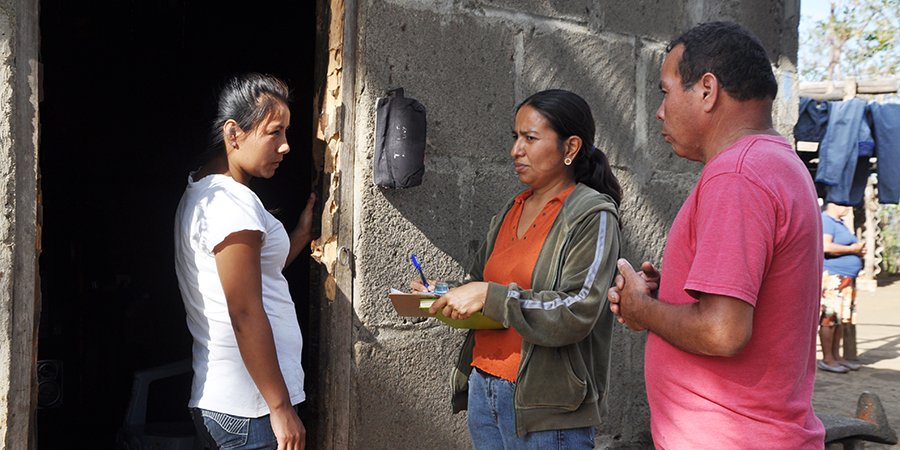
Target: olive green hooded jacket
<point>564,319</point>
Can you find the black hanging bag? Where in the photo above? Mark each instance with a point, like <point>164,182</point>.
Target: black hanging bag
<point>399,141</point>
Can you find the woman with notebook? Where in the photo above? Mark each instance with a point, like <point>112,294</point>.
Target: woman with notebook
<point>543,271</point>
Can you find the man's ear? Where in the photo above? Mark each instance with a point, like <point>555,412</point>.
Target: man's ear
<point>709,87</point>
<point>571,147</point>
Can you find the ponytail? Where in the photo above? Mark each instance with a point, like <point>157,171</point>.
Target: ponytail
<point>591,167</point>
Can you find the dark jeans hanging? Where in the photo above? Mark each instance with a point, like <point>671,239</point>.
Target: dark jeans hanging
<point>886,131</point>
<point>839,153</point>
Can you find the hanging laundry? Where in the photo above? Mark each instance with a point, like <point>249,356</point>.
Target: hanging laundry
<point>886,131</point>
<point>866,142</point>
<point>812,121</point>
<point>839,153</point>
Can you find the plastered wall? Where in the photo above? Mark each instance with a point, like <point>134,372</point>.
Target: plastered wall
<point>471,62</point>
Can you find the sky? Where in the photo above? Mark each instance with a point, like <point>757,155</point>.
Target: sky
<point>812,65</point>
<point>811,11</point>
<point>814,9</point>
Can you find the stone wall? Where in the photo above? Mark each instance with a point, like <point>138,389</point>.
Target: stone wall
<point>470,62</point>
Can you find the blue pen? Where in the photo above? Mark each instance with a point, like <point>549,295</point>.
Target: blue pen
<point>419,268</point>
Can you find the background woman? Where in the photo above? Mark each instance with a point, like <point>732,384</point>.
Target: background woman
<point>543,271</point>
<point>229,256</point>
<point>842,264</point>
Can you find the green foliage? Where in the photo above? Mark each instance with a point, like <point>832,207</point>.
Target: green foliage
<point>890,233</point>
<point>861,38</point>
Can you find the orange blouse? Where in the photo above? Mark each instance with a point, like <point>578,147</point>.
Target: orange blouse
<point>498,352</point>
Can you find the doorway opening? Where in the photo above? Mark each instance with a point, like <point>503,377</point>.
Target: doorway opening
<point>128,94</point>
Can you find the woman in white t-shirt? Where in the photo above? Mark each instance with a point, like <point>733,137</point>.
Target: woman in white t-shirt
<point>229,256</point>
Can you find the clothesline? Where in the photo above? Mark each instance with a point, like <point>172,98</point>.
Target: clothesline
<point>847,89</point>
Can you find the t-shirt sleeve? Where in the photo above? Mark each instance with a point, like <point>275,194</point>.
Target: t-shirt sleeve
<point>227,211</point>
<point>828,227</point>
<point>735,226</point>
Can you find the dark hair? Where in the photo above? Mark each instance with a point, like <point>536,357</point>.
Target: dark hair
<point>248,99</point>
<point>569,115</point>
<point>731,53</point>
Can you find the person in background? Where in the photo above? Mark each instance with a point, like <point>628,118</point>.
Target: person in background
<point>229,256</point>
<point>842,265</point>
<point>543,272</point>
<point>730,359</point>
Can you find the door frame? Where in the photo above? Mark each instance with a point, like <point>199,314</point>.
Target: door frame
<point>20,222</point>
<point>334,249</point>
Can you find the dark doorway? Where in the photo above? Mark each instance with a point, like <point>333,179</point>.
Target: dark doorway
<point>128,92</point>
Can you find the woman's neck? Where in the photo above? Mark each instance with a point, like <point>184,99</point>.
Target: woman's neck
<point>220,166</point>
<point>543,194</point>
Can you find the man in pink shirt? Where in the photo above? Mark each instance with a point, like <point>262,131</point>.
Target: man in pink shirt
<point>730,356</point>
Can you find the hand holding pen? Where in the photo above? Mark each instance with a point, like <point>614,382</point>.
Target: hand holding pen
<point>422,284</point>
<point>459,303</point>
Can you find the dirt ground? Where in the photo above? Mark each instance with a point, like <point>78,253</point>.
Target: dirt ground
<point>878,347</point>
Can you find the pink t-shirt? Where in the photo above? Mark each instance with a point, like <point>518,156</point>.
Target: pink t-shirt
<point>750,229</point>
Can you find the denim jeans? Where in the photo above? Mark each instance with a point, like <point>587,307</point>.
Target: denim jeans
<point>492,420</point>
<point>839,162</point>
<point>224,431</point>
<point>886,130</point>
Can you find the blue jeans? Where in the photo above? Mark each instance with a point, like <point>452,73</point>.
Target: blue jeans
<point>886,130</point>
<point>224,431</point>
<point>492,420</point>
<point>839,153</point>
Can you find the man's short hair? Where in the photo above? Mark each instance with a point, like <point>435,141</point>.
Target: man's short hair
<point>731,53</point>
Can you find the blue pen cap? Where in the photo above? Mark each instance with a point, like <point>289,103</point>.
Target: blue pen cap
<point>418,267</point>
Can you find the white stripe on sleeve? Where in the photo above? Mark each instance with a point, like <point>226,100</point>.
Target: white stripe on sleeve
<point>588,281</point>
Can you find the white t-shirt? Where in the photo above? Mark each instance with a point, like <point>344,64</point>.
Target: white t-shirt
<point>211,209</point>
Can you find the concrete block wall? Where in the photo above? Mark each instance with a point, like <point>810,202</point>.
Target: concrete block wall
<point>470,63</point>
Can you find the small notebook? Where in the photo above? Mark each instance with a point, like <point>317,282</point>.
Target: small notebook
<point>407,304</point>
<point>416,304</point>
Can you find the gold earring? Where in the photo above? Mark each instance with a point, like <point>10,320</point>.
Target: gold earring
<point>567,161</point>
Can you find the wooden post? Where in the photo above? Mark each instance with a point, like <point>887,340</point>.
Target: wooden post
<point>869,236</point>
<point>866,280</point>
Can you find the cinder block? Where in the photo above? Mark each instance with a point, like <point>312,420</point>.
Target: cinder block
<point>773,21</point>
<point>493,186</point>
<point>574,10</point>
<point>648,210</point>
<point>466,83</point>
<point>599,68</point>
<point>658,20</point>
<point>403,398</point>
<point>396,223</point>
